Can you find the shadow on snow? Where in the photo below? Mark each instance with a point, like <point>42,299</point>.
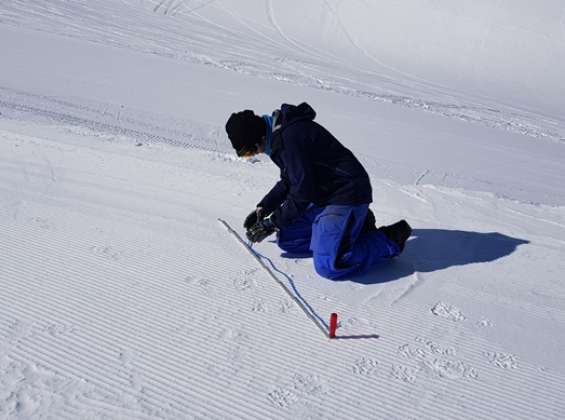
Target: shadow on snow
<point>430,250</point>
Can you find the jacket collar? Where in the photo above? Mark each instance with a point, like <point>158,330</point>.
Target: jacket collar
<point>276,120</point>
<point>276,144</point>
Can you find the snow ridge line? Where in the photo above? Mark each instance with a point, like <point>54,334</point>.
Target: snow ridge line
<point>179,289</point>
<point>100,126</point>
<point>64,354</point>
<point>496,116</point>
<point>120,337</point>
<point>485,417</point>
<point>485,116</point>
<point>289,367</point>
<point>132,268</point>
<point>500,392</point>
<point>133,272</point>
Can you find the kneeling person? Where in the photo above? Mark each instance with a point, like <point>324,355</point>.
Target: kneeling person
<point>320,205</point>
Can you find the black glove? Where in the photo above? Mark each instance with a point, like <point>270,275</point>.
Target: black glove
<point>253,217</point>
<point>260,230</point>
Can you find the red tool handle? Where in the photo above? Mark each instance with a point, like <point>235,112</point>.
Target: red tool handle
<point>333,324</point>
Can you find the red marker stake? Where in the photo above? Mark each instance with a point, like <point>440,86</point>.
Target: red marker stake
<point>333,324</point>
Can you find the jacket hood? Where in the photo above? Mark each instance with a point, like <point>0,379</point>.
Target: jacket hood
<point>294,113</point>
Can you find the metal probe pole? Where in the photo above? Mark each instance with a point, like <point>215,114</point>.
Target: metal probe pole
<point>268,270</point>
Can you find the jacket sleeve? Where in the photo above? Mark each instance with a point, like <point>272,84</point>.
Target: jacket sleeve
<point>301,183</point>
<point>276,196</point>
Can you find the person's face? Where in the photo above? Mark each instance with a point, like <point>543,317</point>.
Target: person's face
<point>248,152</point>
<point>261,147</point>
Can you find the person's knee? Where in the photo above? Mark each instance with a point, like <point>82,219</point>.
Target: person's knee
<point>325,268</point>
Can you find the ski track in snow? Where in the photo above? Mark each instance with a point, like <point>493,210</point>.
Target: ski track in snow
<point>310,71</point>
<point>100,119</point>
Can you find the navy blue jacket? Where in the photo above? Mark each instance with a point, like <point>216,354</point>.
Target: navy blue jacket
<point>315,168</point>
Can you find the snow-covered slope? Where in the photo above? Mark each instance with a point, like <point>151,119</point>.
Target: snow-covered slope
<point>144,62</point>
<point>497,63</point>
<point>122,297</point>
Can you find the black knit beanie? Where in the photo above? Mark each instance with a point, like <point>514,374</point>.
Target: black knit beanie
<point>245,129</point>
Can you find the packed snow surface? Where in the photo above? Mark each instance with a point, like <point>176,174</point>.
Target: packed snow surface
<point>122,297</point>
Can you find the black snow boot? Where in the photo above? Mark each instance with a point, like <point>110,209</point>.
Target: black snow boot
<point>369,223</point>
<point>398,232</point>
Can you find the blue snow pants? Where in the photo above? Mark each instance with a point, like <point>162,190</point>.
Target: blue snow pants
<point>332,234</point>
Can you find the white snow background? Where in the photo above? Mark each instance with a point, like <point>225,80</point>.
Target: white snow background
<point>122,297</point>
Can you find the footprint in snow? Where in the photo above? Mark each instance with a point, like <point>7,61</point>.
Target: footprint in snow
<point>404,373</point>
<point>299,388</point>
<point>365,366</point>
<point>245,280</point>
<point>485,323</point>
<point>243,283</point>
<point>450,369</point>
<point>202,283</point>
<point>36,389</point>
<point>107,252</point>
<point>285,306</point>
<point>502,360</point>
<point>447,311</point>
<point>282,306</point>
<point>259,306</point>
<point>435,360</point>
